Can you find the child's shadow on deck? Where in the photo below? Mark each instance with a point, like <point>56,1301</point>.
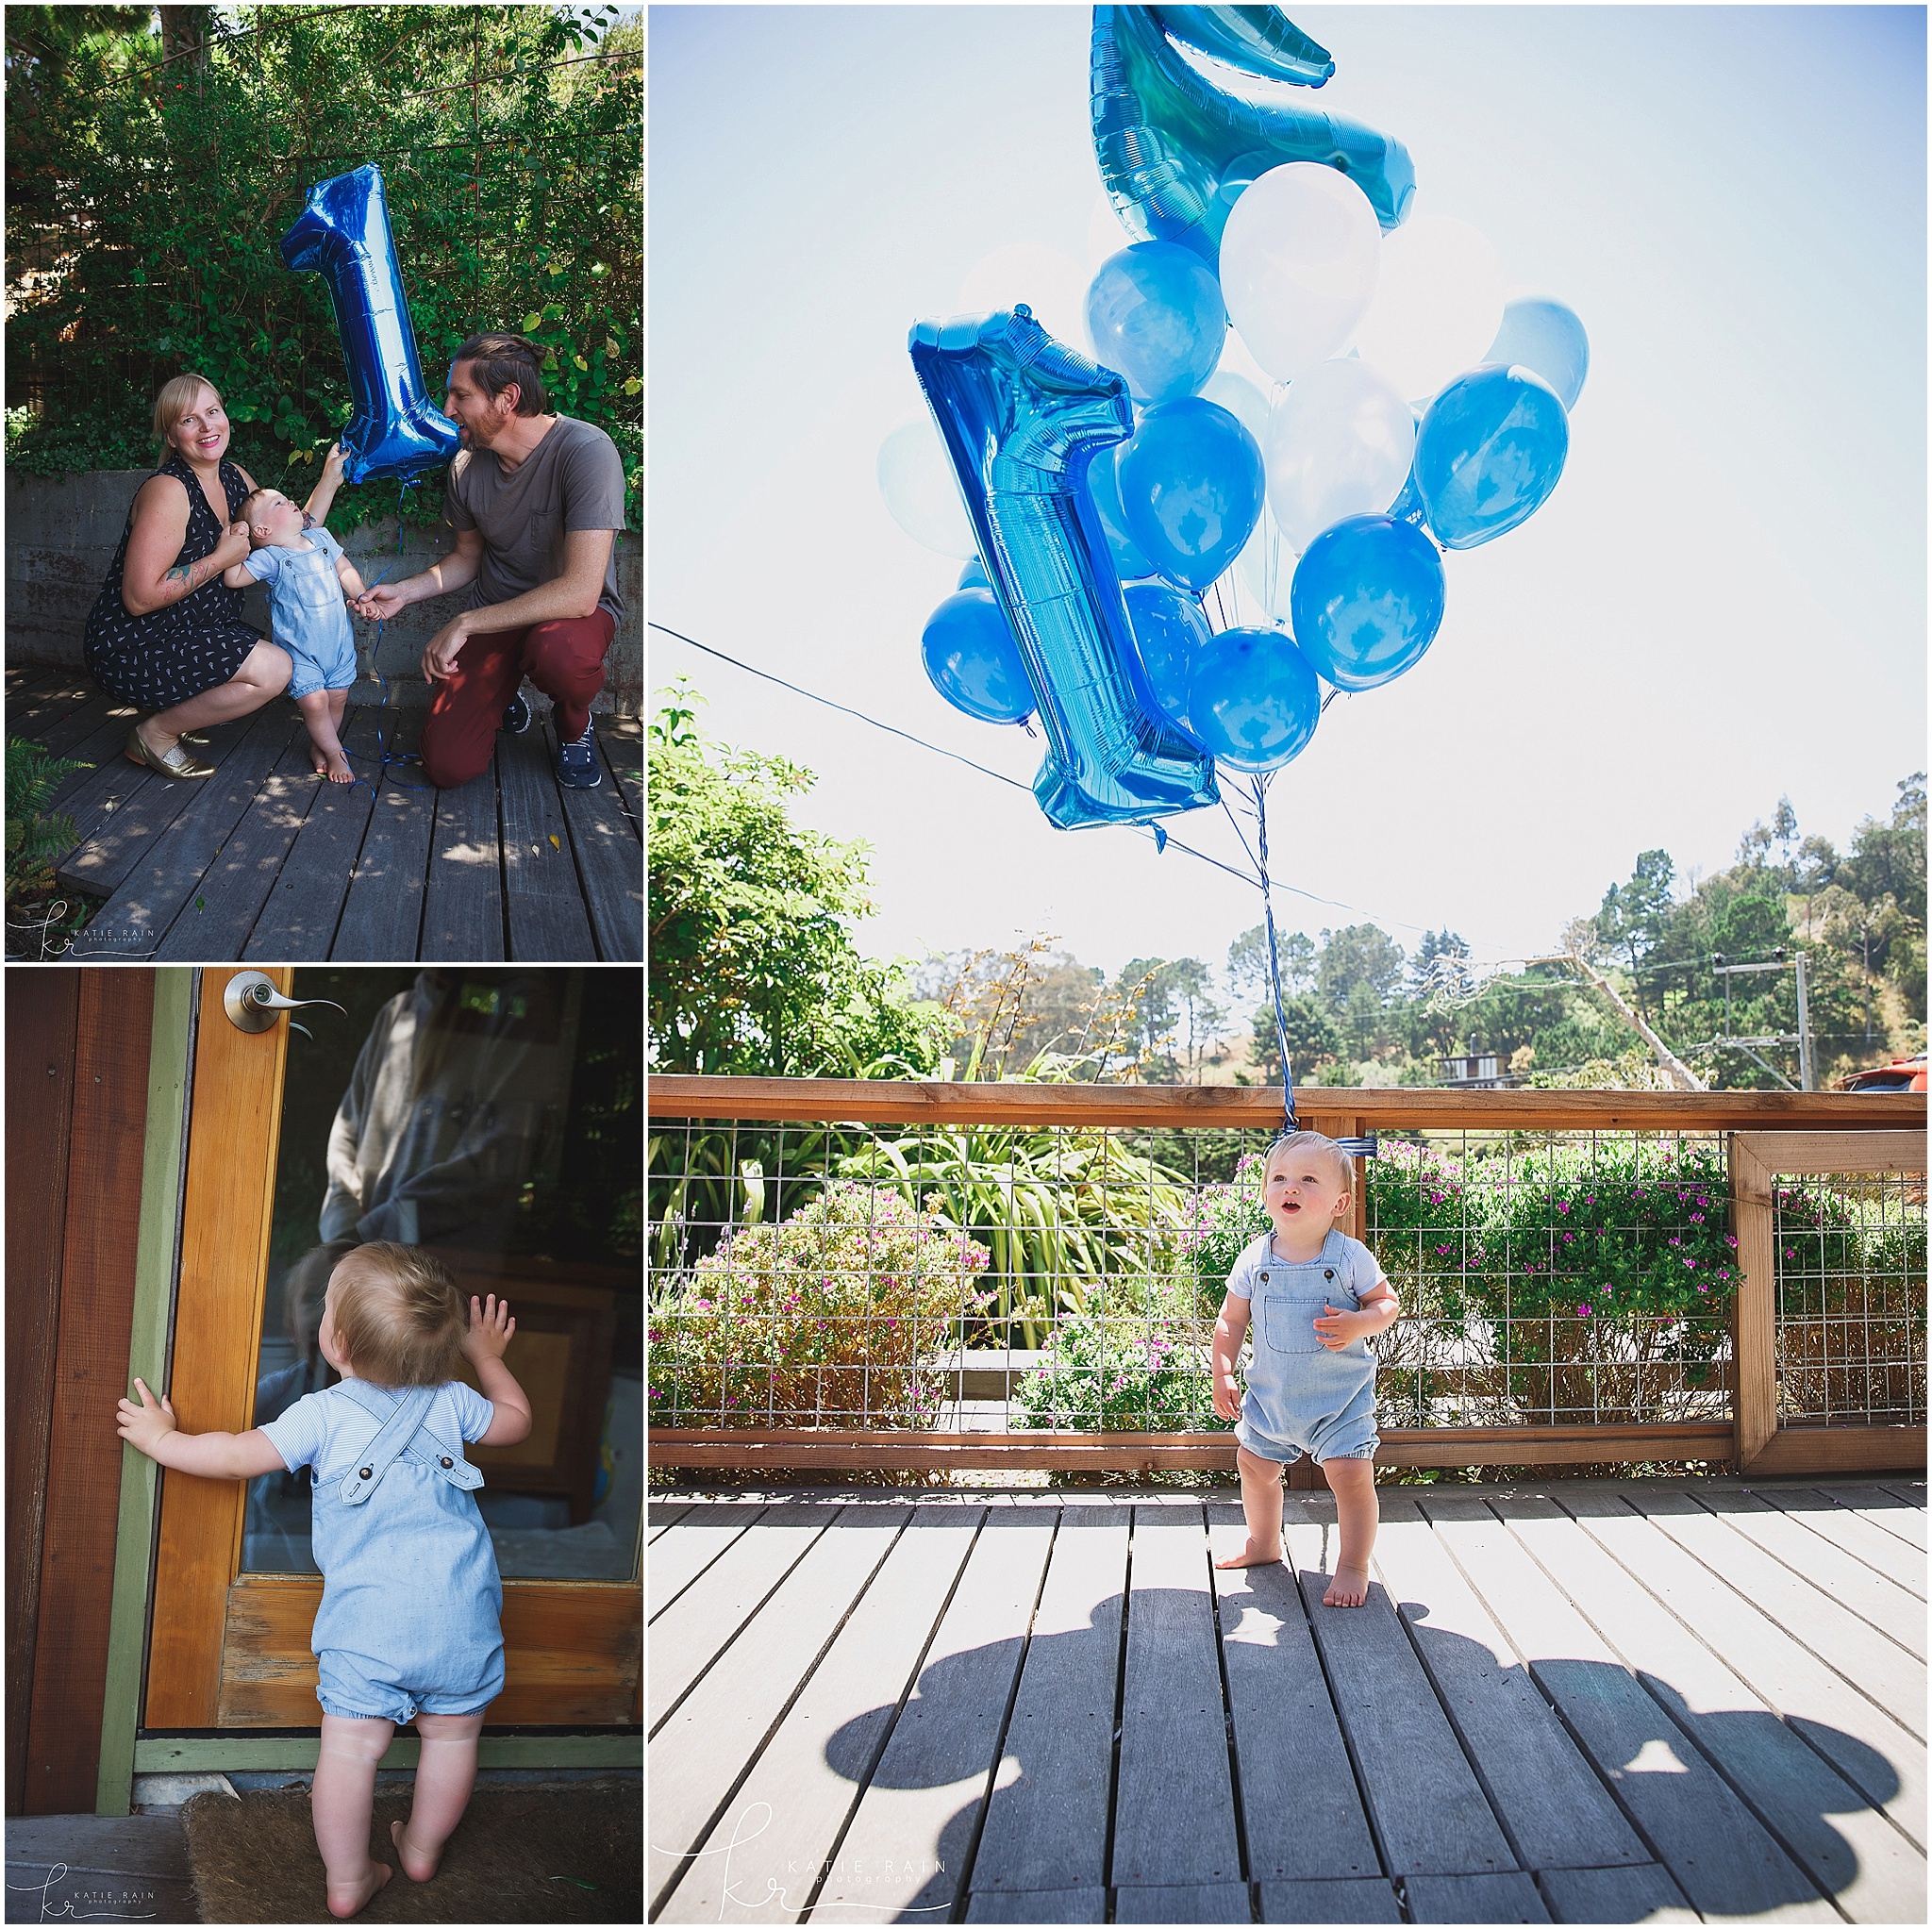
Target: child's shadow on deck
<point>951,1732</point>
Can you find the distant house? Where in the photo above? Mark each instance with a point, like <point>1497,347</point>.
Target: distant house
<point>1476,1071</point>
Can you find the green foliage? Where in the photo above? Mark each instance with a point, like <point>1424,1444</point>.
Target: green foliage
<point>831,1318</point>
<point>34,839</point>
<point>753,967</point>
<point>145,202</point>
<point>1134,1360</point>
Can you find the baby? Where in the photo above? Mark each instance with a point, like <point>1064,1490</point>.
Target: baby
<point>409,1626</point>
<point>1311,1382</point>
<point>305,572</point>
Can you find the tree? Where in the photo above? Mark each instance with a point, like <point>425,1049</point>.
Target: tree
<point>753,967</point>
<point>1247,962</point>
<point>1174,1007</point>
<point>1633,914</point>
<point>1313,1039</point>
<point>1358,955</point>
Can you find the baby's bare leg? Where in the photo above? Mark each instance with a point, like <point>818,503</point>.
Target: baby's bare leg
<point>342,1799</point>
<point>1261,1504</point>
<point>1352,1484</point>
<point>445,1774</point>
<point>325,747</point>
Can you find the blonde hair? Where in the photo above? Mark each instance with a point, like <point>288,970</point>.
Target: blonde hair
<point>176,398</point>
<point>399,1315</point>
<point>1342,1166</point>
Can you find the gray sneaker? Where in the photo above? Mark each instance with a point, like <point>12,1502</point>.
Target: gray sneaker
<point>516,720</point>
<point>577,762</point>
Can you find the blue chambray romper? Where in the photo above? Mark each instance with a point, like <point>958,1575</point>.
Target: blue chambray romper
<point>1301,1397</point>
<point>412,1603</point>
<point>308,613</point>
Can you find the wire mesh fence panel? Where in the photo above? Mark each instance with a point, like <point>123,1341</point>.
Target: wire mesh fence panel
<point>1067,1278</point>
<point>1849,1255</point>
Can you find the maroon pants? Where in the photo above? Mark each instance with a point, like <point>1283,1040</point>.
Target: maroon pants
<point>564,659</point>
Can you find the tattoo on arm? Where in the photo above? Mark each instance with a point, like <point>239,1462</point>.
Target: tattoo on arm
<point>192,574</point>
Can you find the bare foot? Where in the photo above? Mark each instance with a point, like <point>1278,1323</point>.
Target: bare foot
<point>416,1866</point>
<point>352,1897</point>
<point>1252,1555</point>
<point>1349,1588</point>
<point>335,766</point>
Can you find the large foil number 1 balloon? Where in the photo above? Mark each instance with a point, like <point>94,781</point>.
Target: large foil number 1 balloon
<point>1021,417</point>
<point>343,234</point>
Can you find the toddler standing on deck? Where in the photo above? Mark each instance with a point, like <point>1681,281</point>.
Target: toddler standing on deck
<point>409,1626</point>
<point>1316,1296</point>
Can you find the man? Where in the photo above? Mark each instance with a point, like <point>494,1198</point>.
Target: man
<point>536,499</point>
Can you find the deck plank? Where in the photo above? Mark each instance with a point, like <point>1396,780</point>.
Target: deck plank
<point>1300,1806</point>
<point>164,878</point>
<point>1871,1596</point>
<point>1848,1849</point>
<point>622,741</point>
<point>1721,1856</point>
<point>1615,1895</point>
<point>462,903</point>
<point>1201,1902</point>
<point>1507,1897</point>
<point>1878,1757</point>
<point>1354,1900</point>
<point>1173,1807</point>
<point>548,923</point>
<point>704,1748</point>
<point>1047,1829</point>
<point>91,733</point>
<point>240,877</point>
<point>907,1843</point>
<point>784,1823</point>
<point>1879,1507</point>
<point>1895,1680</point>
<point>1401,1739</point>
<point>678,1559</point>
<point>1038,1905</point>
<point>611,862</point>
<point>1857,1535</point>
<point>382,916</point>
<point>690,1633</point>
<point>1554,1811</point>
<point>661,1515</point>
<point>38,699</point>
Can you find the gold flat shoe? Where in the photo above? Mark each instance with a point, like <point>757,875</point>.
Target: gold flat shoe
<point>176,763</point>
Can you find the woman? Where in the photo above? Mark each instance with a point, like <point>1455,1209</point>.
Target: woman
<point>166,635</point>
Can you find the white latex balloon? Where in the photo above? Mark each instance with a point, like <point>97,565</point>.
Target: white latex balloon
<point>1298,263</point>
<point>917,481</point>
<point>1267,568</point>
<point>1340,443</point>
<point>1439,303</point>
<point>1241,399</point>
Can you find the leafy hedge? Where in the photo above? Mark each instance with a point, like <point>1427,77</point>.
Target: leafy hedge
<point>145,202</point>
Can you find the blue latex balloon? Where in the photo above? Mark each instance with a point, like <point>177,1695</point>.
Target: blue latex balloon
<point>973,662</point>
<point>1367,600</point>
<point>1175,149</point>
<point>1253,699</point>
<point>1171,632</point>
<point>343,234</point>
<point>1192,485</point>
<point>1023,417</point>
<point>1488,452</point>
<point>974,576</point>
<point>1102,482</point>
<point>1408,506</point>
<point>1156,314</point>
<point>1544,335</point>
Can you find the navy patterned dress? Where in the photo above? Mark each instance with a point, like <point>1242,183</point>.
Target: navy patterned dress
<point>162,659</point>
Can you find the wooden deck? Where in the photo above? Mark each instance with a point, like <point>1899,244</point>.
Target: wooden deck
<point>266,861</point>
<point>1648,1701</point>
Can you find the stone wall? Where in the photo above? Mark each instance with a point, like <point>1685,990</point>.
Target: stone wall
<point>62,532</point>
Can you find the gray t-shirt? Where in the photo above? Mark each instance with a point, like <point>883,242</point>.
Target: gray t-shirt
<point>573,479</point>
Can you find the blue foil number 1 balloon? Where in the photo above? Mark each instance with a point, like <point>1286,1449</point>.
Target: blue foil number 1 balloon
<point>1021,417</point>
<point>343,234</point>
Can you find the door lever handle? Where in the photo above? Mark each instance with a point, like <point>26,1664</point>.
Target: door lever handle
<point>252,1000</point>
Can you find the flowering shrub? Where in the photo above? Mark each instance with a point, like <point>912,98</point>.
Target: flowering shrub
<point>824,1318</point>
<point>1134,1360</point>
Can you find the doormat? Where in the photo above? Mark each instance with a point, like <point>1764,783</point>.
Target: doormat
<point>572,1853</point>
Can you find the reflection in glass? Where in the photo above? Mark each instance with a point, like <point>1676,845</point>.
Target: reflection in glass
<point>493,1116</point>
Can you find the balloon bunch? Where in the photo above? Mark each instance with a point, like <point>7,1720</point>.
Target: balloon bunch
<point>1413,411</point>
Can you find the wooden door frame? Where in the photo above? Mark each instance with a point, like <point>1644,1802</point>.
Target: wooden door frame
<point>1757,1159</point>
<point>203,1606</point>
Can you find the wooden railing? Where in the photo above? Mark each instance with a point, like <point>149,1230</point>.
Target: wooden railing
<point>1795,1132</point>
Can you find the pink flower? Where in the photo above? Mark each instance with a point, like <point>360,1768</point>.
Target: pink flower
<point>1562,1205</point>
<point>1583,1312</point>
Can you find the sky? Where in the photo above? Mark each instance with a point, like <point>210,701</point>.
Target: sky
<point>1724,601</point>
